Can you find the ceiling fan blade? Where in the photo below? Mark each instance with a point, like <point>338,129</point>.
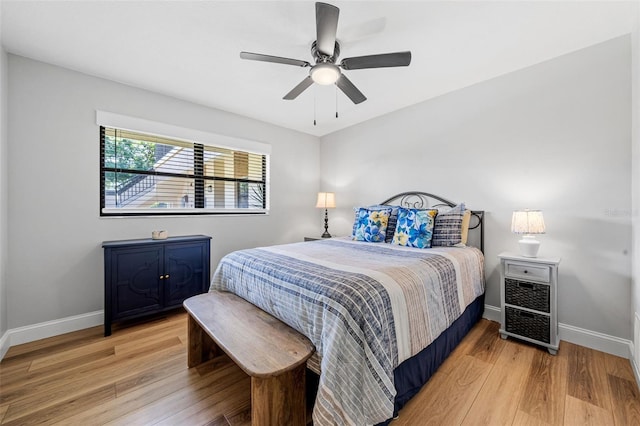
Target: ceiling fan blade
<point>275,59</point>
<point>326,27</point>
<point>301,87</point>
<point>397,59</point>
<point>350,90</point>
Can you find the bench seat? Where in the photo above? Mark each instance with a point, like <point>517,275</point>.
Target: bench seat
<point>268,350</point>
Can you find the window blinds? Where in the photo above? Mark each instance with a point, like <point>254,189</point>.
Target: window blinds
<point>148,174</point>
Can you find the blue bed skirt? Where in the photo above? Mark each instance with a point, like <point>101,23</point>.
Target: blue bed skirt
<point>413,373</point>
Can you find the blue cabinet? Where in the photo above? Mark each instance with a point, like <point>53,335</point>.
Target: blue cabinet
<point>147,276</point>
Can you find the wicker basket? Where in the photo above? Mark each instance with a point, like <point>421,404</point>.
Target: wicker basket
<point>528,324</point>
<point>527,294</point>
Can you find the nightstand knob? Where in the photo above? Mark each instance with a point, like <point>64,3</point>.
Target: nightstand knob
<point>526,272</point>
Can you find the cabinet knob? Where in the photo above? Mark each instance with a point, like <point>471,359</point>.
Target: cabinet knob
<point>526,272</point>
<point>161,277</point>
<point>166,276</point>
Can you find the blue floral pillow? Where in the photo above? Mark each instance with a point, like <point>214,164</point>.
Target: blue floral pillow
<point>391,226</point>
<point>414,227</point>
<point>371,225</point>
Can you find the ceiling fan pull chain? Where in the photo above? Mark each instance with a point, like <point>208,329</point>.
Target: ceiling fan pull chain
<point>315,90</point>
<point>336,86</point>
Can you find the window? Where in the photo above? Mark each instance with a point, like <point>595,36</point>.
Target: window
<point>144,174</point>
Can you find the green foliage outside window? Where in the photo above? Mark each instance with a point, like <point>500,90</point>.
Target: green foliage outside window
<point>130,154</point>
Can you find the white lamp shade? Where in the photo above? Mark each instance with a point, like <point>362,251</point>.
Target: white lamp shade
<point>527,222</point>
<point>326,200</point>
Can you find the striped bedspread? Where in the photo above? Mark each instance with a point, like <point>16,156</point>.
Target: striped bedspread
<point>365,306</point>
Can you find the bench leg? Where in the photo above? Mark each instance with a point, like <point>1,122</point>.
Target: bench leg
<point>279,400</point>
<point>201,347</point>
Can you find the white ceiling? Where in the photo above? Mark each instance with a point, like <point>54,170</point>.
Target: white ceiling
<point>190,49</point>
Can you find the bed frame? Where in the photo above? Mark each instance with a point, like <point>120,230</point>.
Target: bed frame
<point>424,200</point>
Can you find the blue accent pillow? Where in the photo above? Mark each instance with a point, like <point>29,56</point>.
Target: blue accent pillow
<point>415,227</point>
<point>391,226</point>
<point>448,228</point>
<point>371,225</point>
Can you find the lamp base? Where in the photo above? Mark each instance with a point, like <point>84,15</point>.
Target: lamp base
<point>529,246</point>
<point>326,225</point>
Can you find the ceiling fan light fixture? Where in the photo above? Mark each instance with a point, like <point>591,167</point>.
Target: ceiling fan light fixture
<point>325,50</point>
<point>325,73</point>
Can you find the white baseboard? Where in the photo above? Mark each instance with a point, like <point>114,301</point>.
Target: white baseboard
<point>634,349</point>
<point>580,336</point>
<point>594,340</point>
<point>491,313</point>
<point>634,367</point>
<point>4,345</point>
<point>30,333</point>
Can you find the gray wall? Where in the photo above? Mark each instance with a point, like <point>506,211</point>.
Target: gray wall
<point>635,299</point>
<point>555,136</point>
<point>55,232</point>
<point>3,189</point>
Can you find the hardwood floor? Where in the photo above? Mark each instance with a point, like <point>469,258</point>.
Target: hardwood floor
<point>139,376</point>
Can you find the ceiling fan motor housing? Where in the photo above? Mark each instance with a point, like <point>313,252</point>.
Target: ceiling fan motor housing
<point>320,57</point>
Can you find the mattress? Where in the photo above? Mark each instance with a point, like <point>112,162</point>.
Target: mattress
<point>367,308</point>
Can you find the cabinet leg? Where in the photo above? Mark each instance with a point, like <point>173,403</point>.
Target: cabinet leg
<point>503,336</point>
<point>553,351</point>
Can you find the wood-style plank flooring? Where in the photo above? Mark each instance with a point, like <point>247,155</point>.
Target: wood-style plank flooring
<point>139,376</point>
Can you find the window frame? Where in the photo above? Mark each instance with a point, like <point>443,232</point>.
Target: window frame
<point>200,179</point>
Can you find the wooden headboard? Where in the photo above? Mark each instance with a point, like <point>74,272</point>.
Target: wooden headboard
<point>424,200</point>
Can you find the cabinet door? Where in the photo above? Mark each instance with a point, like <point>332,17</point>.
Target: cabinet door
<point>188,274</point>
<point>135,277</point>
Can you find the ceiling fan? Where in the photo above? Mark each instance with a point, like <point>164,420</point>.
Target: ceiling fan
<point>325,50</point>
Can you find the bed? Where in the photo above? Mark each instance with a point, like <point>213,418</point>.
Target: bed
<point>382,307</point>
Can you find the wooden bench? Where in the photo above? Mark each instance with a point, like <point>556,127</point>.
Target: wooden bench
<point>268,350</point>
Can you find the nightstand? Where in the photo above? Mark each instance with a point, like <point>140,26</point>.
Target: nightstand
<point>528,299</point>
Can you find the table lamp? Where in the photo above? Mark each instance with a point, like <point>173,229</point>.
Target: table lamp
<point>528,223</point>
<point>326,200</point>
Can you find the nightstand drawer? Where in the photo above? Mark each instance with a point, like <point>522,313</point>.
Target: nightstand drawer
<point>527,294</point>
<point>528,324</point>
<point>516,270</point>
